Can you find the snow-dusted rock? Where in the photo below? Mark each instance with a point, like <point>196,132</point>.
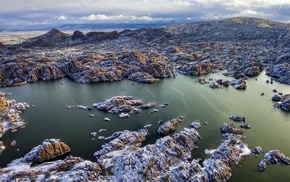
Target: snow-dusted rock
<point>237,118</point>
<point>196,124</point>
<point>257,150</point>
<point>273,157</point>
<point>49,149</point>
<point>239,84</point>
<point>230,128</point>
<point>169,126</point>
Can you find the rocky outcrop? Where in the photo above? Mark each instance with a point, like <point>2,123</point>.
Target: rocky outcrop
<point>57,38</point>
<point>121,140</point>
<point>101,36</point>
<point>1,45</point>
<point>153,162</point>
<point>201,80</point>
<point>118,104</point>
<point>214,85</point>
<point>237,118</point>
<point>196,124</point>
<point>10,111</point>
<point>78,35</point>
<point>230,128</point>
<point>2,147</point>
<point>239,84</point>
<point>283,101</point>
<point>169,126</point>
<point>279,70</point>
<point>142,78</point>
<point>148,105</point>
<point>231,150</point>
<point>17,72</point>
<point>145,68</point>
<point>284,105</point>
<point>273,157</point>
<point>197,68</point>
<point>49,149</point>
<point>168,159</point>
<point>257,150</point>
<point>69,169</point>
<point>51,38</point>
<point>280,97</point>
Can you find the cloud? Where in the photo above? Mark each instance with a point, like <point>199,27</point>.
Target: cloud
<point>62,17</point>
<point>94,11</point>
<point>124,18</point>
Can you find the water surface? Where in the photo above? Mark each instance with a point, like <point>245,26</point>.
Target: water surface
<point>50,118</point>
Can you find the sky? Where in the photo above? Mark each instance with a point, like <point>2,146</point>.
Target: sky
<point>17,13</point>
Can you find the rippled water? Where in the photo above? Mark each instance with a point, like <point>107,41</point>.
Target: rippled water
<point>50,118</point>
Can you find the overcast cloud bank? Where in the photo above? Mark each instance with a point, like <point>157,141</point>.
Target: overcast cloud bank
<point>15,13</point>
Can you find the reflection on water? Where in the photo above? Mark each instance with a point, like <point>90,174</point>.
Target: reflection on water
<point>50,118</point>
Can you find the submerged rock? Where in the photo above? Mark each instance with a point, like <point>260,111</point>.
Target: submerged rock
<point>273,157</point>
<point>148,105</point>
<point>169,126</point>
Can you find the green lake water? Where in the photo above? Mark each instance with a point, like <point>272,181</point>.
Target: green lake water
<point>50,118</point>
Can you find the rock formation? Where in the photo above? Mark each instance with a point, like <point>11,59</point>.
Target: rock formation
<point>195,124</point>
<point>49,149</point>
<point>257,150</point>
<point>69,169</point>
<point>168,159</point>
<point>280,70</point>
<point>155,161</point>
<point>284,105</point>
<point>10,114</point>
<point>142,77</point>
<point>237,118</point>
<point>282,101</point>
<point>273,157</point>
<point>118,104</point>
<point>1,45</point>
<point>239,84</point>
<point>121,140</point>
<point>169,126</point>
<point>230,128</point>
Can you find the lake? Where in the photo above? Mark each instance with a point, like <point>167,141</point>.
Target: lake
<point>51,119</point>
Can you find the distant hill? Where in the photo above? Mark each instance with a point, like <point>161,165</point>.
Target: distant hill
<point>239,28</point>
